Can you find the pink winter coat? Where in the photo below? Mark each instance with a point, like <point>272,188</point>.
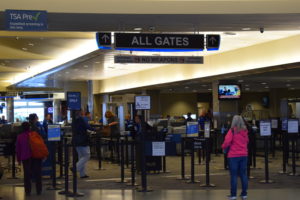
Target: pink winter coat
<point>237,143</point>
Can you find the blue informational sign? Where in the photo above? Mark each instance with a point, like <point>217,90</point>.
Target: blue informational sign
<point>192,129</point>
<point>74,100</point>
<point>54,133</point>
<point>50,110</point>
<point>26,20</point>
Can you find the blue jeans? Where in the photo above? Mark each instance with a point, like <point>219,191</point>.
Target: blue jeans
<point>238,167</point>
<point>83,156</point>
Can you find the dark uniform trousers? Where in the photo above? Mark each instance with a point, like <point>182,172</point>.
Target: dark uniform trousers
<point>32,171</point>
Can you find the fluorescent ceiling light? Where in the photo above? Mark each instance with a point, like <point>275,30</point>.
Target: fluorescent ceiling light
<point>137,29</point>
<point>83,48</point>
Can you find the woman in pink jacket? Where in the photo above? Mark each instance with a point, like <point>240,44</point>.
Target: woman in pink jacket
<point>236,142</point>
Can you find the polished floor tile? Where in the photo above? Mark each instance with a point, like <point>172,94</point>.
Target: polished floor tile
<point>17,193</point>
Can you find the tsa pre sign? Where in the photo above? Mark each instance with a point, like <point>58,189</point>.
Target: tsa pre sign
<point>25,20</point>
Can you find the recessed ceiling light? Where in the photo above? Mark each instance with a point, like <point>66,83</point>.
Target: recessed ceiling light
<point>240,81</point>
<point>246,29</point>
<point>264,83</point>
<point>137,29</point>
<point>209,89</point>
<point>267,87</point>
<point>24,49</point>
<point>30,44</point>
<point>85,66</point>
<point>186,87</point>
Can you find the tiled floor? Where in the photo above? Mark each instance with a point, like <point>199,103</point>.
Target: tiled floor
<point>16,193</point>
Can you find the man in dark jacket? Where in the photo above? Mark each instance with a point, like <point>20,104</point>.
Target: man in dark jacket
<point>81,141</point>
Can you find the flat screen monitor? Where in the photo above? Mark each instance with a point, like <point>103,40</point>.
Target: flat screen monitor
<point>193,116</point>
<point>229,91</point>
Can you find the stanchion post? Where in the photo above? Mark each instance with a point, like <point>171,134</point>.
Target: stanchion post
<point>284,154</point>
<point>133,169</point>
<point>66,160</point>
<point>192,164</point>
<point>143,165</point>
<point>267,180</point>
<point>122,168</point>
<point>126,152</point>
<point>54,170</point>
<point>207,170</point>
<point>13,166</point>
<point>183,160</point>
<point>293,138</point>
<point>74,155</point>
<point>60,159</point>
<point>99,152</point>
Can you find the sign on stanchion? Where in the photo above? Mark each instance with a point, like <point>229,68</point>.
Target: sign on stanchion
<point>54,135</point>
<point>293,130</point>
<point>265,131</point>
<point>192,129</point>
<point>74,103</point>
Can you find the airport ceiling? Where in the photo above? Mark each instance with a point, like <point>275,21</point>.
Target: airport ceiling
<point>47,59</point>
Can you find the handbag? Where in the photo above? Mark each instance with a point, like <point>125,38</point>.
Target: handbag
<point>226,151</point>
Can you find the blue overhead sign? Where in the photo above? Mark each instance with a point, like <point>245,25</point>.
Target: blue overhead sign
<point>74,100</point>
<point>26,20</point>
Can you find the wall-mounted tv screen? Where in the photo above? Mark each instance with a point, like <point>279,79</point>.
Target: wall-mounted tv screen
<point>229,91</point>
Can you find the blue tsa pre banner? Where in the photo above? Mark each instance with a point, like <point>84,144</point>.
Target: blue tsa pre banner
<point>25,20</point>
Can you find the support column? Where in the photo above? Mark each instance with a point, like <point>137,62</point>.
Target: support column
<point>104,107</point>
<point>56,110</point>
<point>10,109</point>
<point>90,97</point>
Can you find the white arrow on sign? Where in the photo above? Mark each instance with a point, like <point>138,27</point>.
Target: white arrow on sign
<point>105,38</point>
<point>212,40</point>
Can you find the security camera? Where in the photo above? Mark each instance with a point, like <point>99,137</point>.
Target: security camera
<point>262,30</point>
<point>151,28</point>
